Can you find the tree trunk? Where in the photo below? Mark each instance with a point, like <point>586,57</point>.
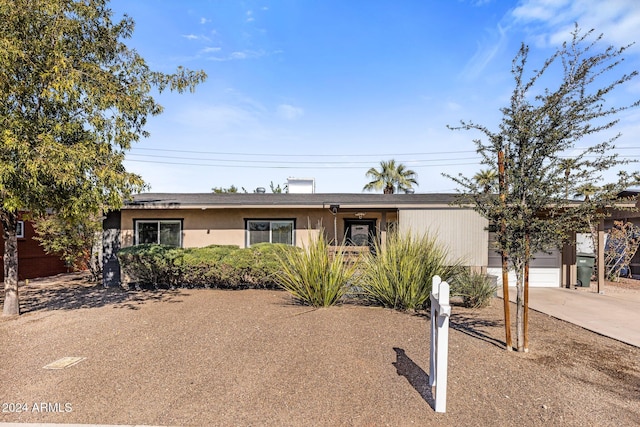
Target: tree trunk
<point>506,303</point>
<point>525,326</point>
<point>11,302</point>
<point>502,187</point>
<point>520,307</point>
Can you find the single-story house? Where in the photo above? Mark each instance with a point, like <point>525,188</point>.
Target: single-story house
<point>244,219</point>
<point>33,261</point>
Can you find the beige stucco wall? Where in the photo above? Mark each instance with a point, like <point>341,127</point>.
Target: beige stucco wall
<point>203,227</point>
<point>462,231</point>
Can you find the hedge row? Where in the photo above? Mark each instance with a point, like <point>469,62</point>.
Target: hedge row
<point>227,267</point>
<point>393,278</point>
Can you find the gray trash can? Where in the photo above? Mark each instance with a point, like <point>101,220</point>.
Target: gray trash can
<point>585,263</point>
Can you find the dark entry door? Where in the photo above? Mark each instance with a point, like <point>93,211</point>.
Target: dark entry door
<point>360,232</point>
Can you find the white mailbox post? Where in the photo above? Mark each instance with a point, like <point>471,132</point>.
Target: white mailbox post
<point>440,312</point>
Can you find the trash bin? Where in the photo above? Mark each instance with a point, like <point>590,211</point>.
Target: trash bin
<point>585,268</point>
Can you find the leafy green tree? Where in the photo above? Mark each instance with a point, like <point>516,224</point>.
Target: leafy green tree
<point>73,98</point>
<point>537,130</point>
<point>391,177</point>
<point>75,239</point>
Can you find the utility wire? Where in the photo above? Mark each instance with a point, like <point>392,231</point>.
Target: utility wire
<point>300,155</point>
<point>279,166</point>
<point>350,162</point>
<point>294,164</point>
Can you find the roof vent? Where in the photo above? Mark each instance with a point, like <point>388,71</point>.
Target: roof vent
<point>409,191</point>
<point>260,190</point>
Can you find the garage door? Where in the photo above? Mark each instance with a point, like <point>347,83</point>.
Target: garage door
<point>544,271</point>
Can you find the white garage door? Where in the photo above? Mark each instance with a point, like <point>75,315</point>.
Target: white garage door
<point>545,270</point>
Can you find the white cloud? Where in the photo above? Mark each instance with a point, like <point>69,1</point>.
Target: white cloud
<point>453,106</point>
<point>211,49</point>
<point>204,20</point>
<point>617,20</point>
<point>493,44</point>
<point>289,112</point>
<point>544,10</point>
<point>240,55</point>
<point>215,118</point>
<point>196,37</point>
<point>250,17</point>
<point>480,3</point>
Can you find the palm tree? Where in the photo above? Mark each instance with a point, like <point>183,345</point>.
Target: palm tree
<point>487,179</point>
<point>586,191</point>
<point>390,177</point>
<point>567,165</point>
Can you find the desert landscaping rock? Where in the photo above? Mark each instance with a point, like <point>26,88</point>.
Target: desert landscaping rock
<point>194,357</point>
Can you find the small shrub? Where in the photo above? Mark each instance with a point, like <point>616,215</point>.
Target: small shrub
<point>399,276</point>
<point>202,266</point>
<point>266,264</point>
<point>230,267</point>
<point>314,276</point>
<point>476,289</point>
<point>152,264</point>
<point>219,266</point>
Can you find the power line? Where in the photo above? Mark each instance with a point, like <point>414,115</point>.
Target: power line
<point>300,155</point>
<point>350,162</point>
<point>279,155</point>
<point>295,164</point>
<point>280,167</point>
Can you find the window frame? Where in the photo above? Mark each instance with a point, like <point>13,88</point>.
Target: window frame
<point>138,221</point>
<point>20,229</point>
<point>247,221</point>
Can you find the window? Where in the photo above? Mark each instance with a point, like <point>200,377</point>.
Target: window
<point>20,230</point>
<point>269,231</point>
<point>164,232</point>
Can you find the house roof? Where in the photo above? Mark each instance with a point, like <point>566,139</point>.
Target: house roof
<point>286,200</point>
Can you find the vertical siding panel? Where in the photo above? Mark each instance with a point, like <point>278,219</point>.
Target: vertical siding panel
<point>462,231</point>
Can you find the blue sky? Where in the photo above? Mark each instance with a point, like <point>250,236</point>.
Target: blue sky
<point>327,89</point>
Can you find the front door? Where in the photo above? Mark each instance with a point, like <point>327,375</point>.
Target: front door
<point>360,232</point>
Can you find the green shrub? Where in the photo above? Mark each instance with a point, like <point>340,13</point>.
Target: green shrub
<point>266,264</point>
<point>476,289</point>
<point>219,266</point>
<point>230,267</point>
<point>152,264</point>
<point>314,276</point>
<point>400,274</point>
<point>202,266</point>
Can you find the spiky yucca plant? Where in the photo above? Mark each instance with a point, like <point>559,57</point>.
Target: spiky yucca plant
<point>399,276</point>
<point>314,276</point>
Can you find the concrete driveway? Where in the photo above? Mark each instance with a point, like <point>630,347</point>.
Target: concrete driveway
<point>614,314</point>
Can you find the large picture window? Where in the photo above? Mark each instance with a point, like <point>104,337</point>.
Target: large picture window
<point>163,232</point>
<point>270,231</point>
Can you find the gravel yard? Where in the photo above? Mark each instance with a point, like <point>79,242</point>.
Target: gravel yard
<point>210,357</point>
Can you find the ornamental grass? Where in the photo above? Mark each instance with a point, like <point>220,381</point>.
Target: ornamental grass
<point>315,275</point>
<point>400,273</point>
<point>476,289</point>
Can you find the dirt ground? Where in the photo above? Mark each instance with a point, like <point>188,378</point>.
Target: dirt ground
<point>194,357</point>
